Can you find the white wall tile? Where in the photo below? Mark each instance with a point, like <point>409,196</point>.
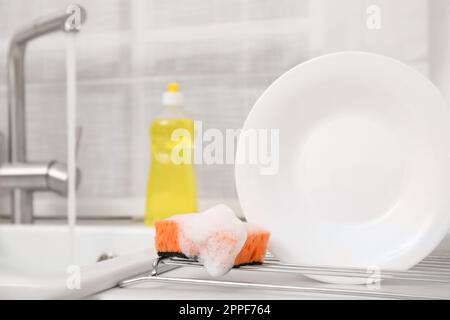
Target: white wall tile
<point>224,53</point>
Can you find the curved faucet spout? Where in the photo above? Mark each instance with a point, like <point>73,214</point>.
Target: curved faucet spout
<point>69,20</point>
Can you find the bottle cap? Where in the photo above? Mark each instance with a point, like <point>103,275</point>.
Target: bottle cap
<point>173,96</point>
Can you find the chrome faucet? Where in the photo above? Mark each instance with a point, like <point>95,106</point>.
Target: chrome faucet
<point>17,174</point>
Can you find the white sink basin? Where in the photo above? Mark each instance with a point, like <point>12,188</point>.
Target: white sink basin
<point>35,260</point>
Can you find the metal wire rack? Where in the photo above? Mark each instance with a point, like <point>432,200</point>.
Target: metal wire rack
<point>430,279</point>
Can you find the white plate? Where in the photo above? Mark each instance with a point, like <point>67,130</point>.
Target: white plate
<point>364,167</point>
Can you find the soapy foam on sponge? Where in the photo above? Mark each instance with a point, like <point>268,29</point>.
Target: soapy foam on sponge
<point>216,237</point>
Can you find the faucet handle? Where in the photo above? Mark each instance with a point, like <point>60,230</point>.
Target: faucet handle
<point>58,177</point>
<point>57,173</point>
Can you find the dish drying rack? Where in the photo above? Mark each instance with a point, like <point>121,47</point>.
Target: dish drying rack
<point>430,278</point>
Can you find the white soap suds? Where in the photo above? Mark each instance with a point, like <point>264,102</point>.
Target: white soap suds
<point>214,236</point>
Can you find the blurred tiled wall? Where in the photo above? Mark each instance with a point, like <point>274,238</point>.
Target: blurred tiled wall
<point>224,53</point>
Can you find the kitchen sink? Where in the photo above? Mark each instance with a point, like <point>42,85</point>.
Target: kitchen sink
<point>35,263</point>
<point>38,262</point>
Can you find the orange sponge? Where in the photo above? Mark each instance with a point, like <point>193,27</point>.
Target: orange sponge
<point>167,241</point>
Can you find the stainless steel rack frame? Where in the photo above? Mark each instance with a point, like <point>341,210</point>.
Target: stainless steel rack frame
<point>432,274</point>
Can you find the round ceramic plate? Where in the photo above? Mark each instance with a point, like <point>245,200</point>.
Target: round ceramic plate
<point>361,174</point>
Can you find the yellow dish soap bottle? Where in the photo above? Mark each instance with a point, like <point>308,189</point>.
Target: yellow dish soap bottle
<point>172,187</point>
